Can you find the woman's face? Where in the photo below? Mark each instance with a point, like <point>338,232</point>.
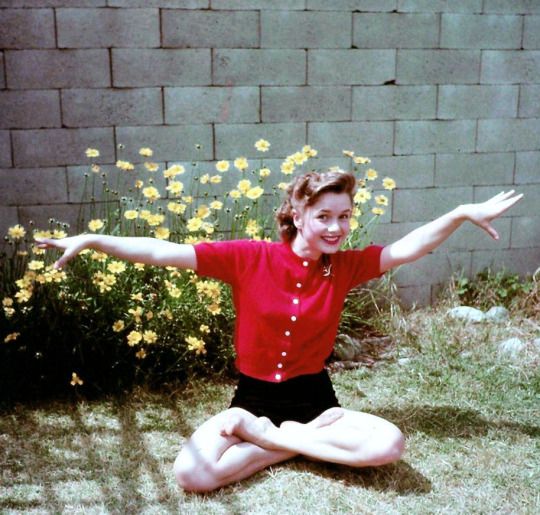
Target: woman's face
<point>323,227</point>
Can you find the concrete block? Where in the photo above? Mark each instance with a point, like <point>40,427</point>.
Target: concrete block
<point>8,218</point>
<point>510,67</point>
<point>468,102</point>
<point>522,261</point>
<point>5,149</point>
<point>435,136</point>
<point>176,4</point>
<point>238,140</point>
<point>170,143</point>
<point>42,69</point>
<point>527,206</point>
<point>411,297</point>
<point>2,75</point>
<point>394,102</point>
<point>104,28</point>
<point>353,5</point>
<point>436,6</point>
<point>29,109</point>
<point>52,3</point>
<point>531,32</point>
<point>210,29</point>
<point>293,29</point>
<point>259,67</point>
<point>27,28</point>
<point>388,233</point>
<point>364,138</point>
<point>512,6</point>
<point>161,67</point>
<point>106,107</point>
<point>58,147</point>
<point>529,101</point>
<point>212,105</point>
<point>304,104</point>
<point>286,5</point>
<point>508,134</point>
<point>53,216</point>
<point>470,237</point>
<point>22,186</point>
<point>527,168</point>
<point>473,169</point>
<point>428,203</point>
<point>408,171</point>
<point>392,30</point>
<point>345,67</point>
<point>438,66</point>
<point>480,31</point>
<point>525,232</point>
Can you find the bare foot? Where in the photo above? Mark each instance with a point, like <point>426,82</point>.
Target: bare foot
<point>257,430</point>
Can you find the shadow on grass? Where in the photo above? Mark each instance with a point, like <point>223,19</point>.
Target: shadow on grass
<point>449,421</point>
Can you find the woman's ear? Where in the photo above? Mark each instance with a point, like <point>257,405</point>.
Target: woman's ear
<point>297,219</point>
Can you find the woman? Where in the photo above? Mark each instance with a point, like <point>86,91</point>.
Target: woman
<point>288,297</point>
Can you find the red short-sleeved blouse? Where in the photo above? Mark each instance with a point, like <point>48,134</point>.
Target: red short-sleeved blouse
<point>287,309</point>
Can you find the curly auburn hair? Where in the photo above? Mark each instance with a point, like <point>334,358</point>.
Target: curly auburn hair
<point>305,190</point>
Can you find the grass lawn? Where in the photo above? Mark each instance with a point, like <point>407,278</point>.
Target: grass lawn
<point>470,415</point>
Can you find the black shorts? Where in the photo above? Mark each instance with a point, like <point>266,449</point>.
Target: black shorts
<point>301,398</point>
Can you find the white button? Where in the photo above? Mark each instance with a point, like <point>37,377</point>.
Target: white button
<point>296,301</point>
<point>287,333</point>
<point>299,285</point>
<point>305,263</point>
<point>280,365</point>
<point>283,353</point>
<point>293,318</point>
<point>278,377</point>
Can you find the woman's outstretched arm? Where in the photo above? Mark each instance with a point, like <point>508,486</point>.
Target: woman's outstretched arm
<point>149,251</point>
<point>428,237</point>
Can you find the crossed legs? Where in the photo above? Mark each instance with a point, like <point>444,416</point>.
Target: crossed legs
<point>235,444</point>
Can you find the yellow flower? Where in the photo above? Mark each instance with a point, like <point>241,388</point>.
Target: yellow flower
<point>118,326</point>
<point>377,211</point>
<point>241,163</point>
<point>204,329</point>
<point>207,227</point>
<point>215,179</point>
<point>7,302</point>
<point>195,344</point>
<point>222,166</point>
<point>371,174</point>
<point>252,228</point>
<point>254,193</point>
<point>388,183</point>
<point>146,152</point>
<point>11,337</point>
<point>262,145</point>
<point>298,158</point>
<point>36,265</point>
<point>151,193</point>
<point>188,199</point>
<point>216,204</point>
<point>173,290</point>
<point>244,185</point>
<point>348,153</point>
<point>362,195</point>
<point>16,232</point>
<point>264,172</point>
<point>95,225</point>
<point>92,152</point>
<point>116,267</point>
<point>98,256</point>
<point>175,187</point>
<point>140,354</point>
<point>149,336</point>
<point>133,338</point>
<point>42,234</point>
<point>287,167</point>
<point>353,224</point>
<point>124,165</point>
<point>359,160</point>
<point>95,168</point>
<point>23,295</point>
<point>210,289</point>
<point>155,219</point>
<point>381,200</point>
<point>310,152</point>
<point>76,380</point>
<point>138,266</point>
<point>173,171</point>
<point>214,309</point>
<point>283,185</point>
<point>162,233</point>
<point>131,214</point>
<point>151,167</point>
<point>194,224</point>
<point>176,208</point>
<point>104,281</point>
<point>235,194</point>
<point>202,212</point>
<point>204,178</point>
<point>58,234</point>
<point>139,184</point>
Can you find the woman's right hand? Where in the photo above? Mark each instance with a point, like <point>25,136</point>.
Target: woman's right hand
<point>71,246</point>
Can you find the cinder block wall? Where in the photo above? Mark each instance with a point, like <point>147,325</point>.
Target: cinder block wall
<point>444,95</point>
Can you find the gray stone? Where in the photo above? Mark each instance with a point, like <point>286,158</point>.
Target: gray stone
<point>27,28</point>
<point>180,4</point>
<point>5,149</point>
<point>259,4</point>
<point>105,28</point>
<point>522,261</point>
<point>474,169</point>
<point>352,5</point>
<point>525,231</point>
<point>512,6</point>
<point>20,186</point>
<point>29,109</point>
<point>433,269</point>
<point>293,29</point>
<point>2,76</point>
<point>531,35</point>
<point>497,314</point>
<point>527,166</point>
<point>508,135</point>
<point>453,6</point>
<point>467,313</point>
<point>512,347</point>
<point>529,101</point>
<point>414,171</point>
<point>510,67</point>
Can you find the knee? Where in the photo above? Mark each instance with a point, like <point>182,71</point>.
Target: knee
<point>193,476</point>
<point>392,446</point>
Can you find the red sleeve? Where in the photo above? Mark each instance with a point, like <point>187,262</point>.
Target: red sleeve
<point>363,265</point>
<point>225,260</point>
